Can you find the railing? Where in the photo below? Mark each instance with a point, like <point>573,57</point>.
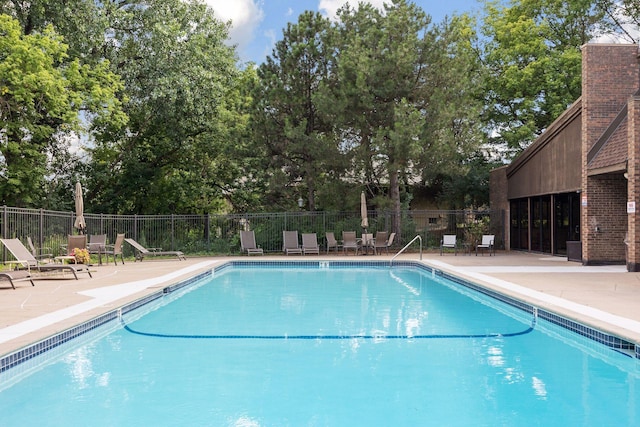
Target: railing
<point>418,237</point>
<point>219,234</point>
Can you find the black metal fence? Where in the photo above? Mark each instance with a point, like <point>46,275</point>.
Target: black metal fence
<point>219,234</point>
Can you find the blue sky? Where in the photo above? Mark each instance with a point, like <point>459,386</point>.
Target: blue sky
<point>258,24</point>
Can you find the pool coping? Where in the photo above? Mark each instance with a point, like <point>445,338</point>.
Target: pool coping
<point>607,338</point>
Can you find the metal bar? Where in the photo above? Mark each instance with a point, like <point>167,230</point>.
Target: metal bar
<point>418,237</point>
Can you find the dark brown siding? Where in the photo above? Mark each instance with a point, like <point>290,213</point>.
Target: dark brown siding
<point>555,167</point>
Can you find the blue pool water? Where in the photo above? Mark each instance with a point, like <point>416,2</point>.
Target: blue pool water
<point>329,347</point>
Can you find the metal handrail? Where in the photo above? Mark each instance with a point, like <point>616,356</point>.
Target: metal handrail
<point>418,237</point>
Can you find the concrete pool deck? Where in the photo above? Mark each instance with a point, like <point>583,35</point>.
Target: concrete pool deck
<point>604,297</point>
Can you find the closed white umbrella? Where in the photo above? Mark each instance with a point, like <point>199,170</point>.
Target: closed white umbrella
<point>365,221</point>
<point>363,212</point>
<point>79,223</point>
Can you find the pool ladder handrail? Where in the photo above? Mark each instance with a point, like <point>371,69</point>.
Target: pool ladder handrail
<point>418,237</point>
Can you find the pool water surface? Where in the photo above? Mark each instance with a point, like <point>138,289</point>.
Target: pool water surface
<point>358,346</point>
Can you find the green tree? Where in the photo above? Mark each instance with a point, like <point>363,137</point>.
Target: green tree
<point>469,189</point>
<point>42,95</point>
<point>80,22</point>
<point>178,75</point>
<point>300,148</point>
<point>531,51</point>
<point>403,97</point>
<point>454,131</point>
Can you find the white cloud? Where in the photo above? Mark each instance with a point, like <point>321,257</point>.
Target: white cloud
<point>628,33</point>
<point>330,7</point>
<point>270,37</point>
<point>245,17</point>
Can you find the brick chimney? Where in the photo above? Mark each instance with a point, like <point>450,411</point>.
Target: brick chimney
<point>610,77</point>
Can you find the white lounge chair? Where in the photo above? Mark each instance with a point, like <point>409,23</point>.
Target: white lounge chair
<point>487,244</point>
<point>449,241</point>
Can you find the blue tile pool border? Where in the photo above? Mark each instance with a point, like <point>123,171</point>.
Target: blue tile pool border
<point>624,346</point>
<point>27,353</point>
<point>31,351</point>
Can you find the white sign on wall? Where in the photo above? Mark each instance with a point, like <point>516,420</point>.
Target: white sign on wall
<point>631,207</point>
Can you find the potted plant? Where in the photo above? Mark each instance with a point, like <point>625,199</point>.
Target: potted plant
<point>82,255</point>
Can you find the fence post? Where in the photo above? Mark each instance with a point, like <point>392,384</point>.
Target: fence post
<point>172,231</point>
<point>4,232</point>
<point>5,223</point>
<point>207,227</point>
<point>41,231</point>
<point>324,226</point>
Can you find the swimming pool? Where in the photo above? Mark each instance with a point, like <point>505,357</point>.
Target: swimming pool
<point>327,343</point>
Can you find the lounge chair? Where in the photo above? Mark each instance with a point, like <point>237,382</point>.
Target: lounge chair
<point>331,241</point>
<point>367,242</point>
<point>290,243</point>
<point>248,243</point>
<point>390,241</point>
<point>115,250</point>
<point>449,241</point>
<point>78,241</point>
<point>40,253</point>
<point>380,242</point>
<point>97,245</point>
<point>487,244</point>
<point>22,254</point>
<point>74,241</point>
<point>310,244</point>
<point>350,241</point>
<point>14,276</point>
<point>142,252</point>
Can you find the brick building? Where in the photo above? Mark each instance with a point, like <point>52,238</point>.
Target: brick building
<point>574,190</point>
